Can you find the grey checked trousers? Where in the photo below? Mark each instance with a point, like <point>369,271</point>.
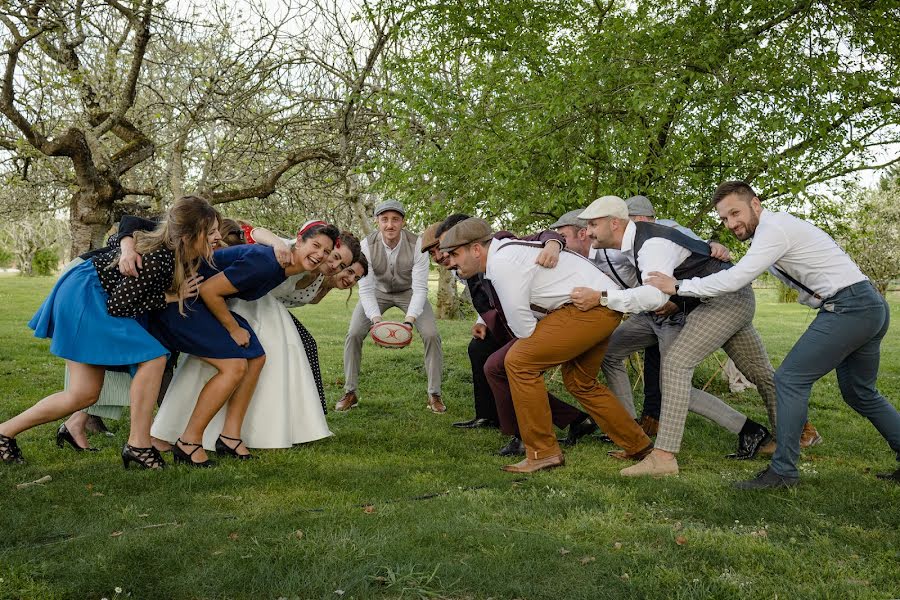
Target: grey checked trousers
<point>722,322</point>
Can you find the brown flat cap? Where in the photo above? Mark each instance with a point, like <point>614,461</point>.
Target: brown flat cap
<point>466,232</point>
<point>429,240</point>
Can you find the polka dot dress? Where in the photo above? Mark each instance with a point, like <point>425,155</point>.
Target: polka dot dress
<point>312,354</point>
<point>131,296</point>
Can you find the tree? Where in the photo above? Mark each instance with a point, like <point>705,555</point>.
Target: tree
<point>522,110</point>
<point>26,237</point>
<point>872,237</point>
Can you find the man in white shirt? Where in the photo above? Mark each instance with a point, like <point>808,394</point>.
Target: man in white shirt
<point>845,335</point>
<point>726,322</point>
<point>398,276</point>
<point>550,331</point>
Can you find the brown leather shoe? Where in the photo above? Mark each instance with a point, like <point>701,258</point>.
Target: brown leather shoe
<point>435,404</point>
<point>652,466</point>
<point>639,455</point>
<point>649,425</point>
<point>768,448</point>
<point>530,465</point>
<point>809,437</point>
<point>349,400</point>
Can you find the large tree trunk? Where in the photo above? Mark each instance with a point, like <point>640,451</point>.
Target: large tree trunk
<point>447,298</point>
<point>89,220</point>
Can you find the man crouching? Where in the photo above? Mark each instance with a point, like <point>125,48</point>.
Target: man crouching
<point>537,306</point>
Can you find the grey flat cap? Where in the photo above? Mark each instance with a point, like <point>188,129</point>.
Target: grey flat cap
<point>390,205</point>
<point>570,218</point>
<point>640,206</point>
<point>466,232</point>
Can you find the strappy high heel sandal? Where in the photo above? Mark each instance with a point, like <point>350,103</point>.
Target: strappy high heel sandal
<point>146,458</point>
<point>64,435</point>
<point>182,457</point>
<point>223,449</point>
<point>9,450</point>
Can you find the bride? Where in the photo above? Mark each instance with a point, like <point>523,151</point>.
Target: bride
<point>285,409</point>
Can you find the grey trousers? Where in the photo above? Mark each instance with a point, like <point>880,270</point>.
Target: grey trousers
<point>722,322</point>
<point>639,332</point>
<point>359,329</point>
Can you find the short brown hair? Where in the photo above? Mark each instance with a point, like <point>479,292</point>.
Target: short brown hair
<point>741,188</point>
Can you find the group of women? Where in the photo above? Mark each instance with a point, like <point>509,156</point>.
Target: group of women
<point>218,293</point>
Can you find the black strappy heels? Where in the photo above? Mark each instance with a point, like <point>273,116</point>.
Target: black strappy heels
<point>182,457</point>
<point>9,450</point>
<point>146,458</point>
<point>64,435</point>
<point>223,449</point>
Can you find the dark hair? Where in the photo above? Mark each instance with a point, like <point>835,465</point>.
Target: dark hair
<point>329,231</point>
<point>232,233</point>
<point>450,222</point>
<point>351,241</point>
<point>733,187</point>
<point>364,263</point>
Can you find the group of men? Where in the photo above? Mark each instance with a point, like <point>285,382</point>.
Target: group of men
<point>558,298</point>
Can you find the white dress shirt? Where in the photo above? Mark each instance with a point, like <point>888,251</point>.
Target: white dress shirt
<point>797,247</point>
<point>657,254</point>
<point>520,282</point>
<point>419,279</point>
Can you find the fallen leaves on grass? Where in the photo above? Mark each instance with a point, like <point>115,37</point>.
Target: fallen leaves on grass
<point>41,481</point>
<point>368,509</point>
<point>617,545</point>
<point>680,540</point>
<point>116,533</point>
<point>298,534</point>
<point>587,559</point>
<point>233,536</point>
<point>564,551</point>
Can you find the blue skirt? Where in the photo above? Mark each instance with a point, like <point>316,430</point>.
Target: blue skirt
<point>199,333</point>
<point>74,316</point>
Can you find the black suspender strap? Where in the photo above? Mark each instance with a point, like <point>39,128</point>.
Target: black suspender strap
<point>799,285</point>
<point>615,273</point>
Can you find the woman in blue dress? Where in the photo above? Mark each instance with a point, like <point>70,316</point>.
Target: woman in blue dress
<point>224,339</point>
<point>90,317</point>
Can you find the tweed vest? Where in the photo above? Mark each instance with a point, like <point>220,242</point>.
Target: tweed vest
<point>400,279</point>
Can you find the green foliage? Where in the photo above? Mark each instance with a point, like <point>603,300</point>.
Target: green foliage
<point>6,258</point>
<point>871,233</point>
<point>520,110</point>
<point>46,261</point>
<point>399,504</point>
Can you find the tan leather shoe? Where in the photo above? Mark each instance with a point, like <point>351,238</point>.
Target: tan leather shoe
<point>652,466</point>
<point>530,465</point>
<point>809,437</point>
<point>349,400</point>
<point>768,448</point>
<point>639,455</point>
<point>435,404</point>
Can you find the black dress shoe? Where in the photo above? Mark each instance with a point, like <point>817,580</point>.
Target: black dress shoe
<point>179,456</point>
<point>514,447</point>
<point>895,476</point>
<point>751,438</point>
<point>578,431</point>
<point>767,479</point>
<point>223,449</point>
<point>64,435</point>
<point>475,424</point>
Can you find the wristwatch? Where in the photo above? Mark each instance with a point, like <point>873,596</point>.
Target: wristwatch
<point>604,298</point>
<point>677,285</point>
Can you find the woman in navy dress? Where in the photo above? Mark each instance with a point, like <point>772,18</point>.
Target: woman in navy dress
<point>90,318</point>
<point>210,331</point>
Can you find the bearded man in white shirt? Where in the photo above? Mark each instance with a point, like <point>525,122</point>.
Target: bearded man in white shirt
<point>398,277</point>
<point>845,336</point>
<point>550,331</point>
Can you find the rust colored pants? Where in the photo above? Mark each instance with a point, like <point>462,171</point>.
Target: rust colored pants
<point>577,340</point>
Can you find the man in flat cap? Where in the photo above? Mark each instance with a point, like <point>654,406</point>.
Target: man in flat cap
<point>726,323</point>
<point>398,276</point>
<point>550,332</point>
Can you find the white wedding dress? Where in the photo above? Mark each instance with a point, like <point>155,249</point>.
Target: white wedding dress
<point>285,409</point>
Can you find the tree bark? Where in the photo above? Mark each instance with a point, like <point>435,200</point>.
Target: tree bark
<point>447,298</point>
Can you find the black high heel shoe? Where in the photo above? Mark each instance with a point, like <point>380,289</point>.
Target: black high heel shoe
<point>182,457</point>
<point>147,458</point>
<point>64,435</point>
<point>9,450</point>
<point>224,449</point>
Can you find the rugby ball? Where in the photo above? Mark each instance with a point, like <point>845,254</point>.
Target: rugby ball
<point>391,334</point>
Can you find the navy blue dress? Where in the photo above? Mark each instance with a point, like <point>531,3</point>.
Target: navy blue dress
<point>254,271</point>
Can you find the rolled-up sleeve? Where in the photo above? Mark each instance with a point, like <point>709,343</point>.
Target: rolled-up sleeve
<point>367,286</point>
<point>419,281</point>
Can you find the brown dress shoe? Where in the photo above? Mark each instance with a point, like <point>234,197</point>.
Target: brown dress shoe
<point>639,455</point>
<point>809,437</point>
<point>649,425</point>
<point>435,404</point>
<point>349,400</point>
<point>652,466</point>
<point>530,465</point>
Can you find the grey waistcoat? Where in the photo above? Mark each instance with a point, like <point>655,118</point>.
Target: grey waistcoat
<point>400,279</point>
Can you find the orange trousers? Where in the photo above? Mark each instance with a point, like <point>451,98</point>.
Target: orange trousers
<point>577,340</point>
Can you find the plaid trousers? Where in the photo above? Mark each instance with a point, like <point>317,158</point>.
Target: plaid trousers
<point>722,322</point>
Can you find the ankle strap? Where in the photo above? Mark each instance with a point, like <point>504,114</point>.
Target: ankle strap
<point>184,443</point>
<point>230,438</point>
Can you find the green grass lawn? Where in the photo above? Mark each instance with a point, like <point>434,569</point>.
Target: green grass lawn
<point>398,504</point>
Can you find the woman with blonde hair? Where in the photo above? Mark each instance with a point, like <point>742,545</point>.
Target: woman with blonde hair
<point>91,317</point>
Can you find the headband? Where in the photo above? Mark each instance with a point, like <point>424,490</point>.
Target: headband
<point>316,223</point>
